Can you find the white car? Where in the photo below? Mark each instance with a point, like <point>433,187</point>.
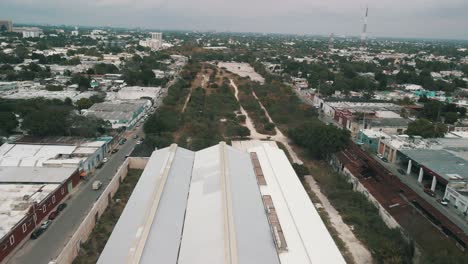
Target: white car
<point>104,160</point>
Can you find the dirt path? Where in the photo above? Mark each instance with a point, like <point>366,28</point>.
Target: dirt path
<point>248,121</point>
<point>280,137</point>
<point>204,82</point>
<point>357,250</point>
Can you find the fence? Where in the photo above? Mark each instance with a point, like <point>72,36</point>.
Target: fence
<point>384,214</point>
<point>71,249</point>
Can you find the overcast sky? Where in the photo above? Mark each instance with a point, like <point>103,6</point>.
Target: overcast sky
<point>391,18</point>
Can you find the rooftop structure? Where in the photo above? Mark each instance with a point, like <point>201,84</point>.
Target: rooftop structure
<point>16,200</point>
<point>25,155</point>
<point>137,92</point>
<point>120,113</point>
<point>445,163</point>
<point>389,122</point>
<point>35,174</point>
<point>188,207</point>
<point>206,207</point>
<point>306,237</point>
<point>58,152</point>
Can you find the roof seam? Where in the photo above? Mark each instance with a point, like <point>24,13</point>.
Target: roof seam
<point>229,226</point>
<point>138,246</point>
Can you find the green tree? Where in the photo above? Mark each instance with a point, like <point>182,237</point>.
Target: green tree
<point>432,110</point>
<point>426,129</point>
<point>48,122</point>
<point>9,123</point>
<point>320,140</point>
<point>84,103</point>
<point>451,117</point>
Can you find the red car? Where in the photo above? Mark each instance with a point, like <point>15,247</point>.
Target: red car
<point>53,215</point>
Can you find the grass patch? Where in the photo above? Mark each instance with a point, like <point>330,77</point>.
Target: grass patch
<point>93,247</point>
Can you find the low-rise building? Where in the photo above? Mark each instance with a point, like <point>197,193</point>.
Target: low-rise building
<point>55,152</point>
<point>27,196</point>
<point>121,114</point>
<point>224,205</point>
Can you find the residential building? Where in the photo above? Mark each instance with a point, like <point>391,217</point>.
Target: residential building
<point>6,25</point>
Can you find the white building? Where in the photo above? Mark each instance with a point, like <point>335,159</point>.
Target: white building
<point>220,205</point>
<point>154,43</point>
<point>29,32</point>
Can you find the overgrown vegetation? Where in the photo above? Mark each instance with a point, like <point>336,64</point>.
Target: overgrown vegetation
<point>386,245</point>
<point>208,118</point>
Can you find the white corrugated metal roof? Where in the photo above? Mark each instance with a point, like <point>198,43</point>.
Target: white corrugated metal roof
<point>307,238</point>
<point>202,207</point>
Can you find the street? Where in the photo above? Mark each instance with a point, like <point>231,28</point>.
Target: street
<point>49,244</point>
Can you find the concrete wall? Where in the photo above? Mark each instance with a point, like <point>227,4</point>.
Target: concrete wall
<point>71,249</point>
<point>386,217</point>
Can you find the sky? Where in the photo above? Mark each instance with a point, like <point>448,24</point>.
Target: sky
<point>446,19</point>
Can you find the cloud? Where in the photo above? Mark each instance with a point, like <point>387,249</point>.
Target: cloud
<point>415,18</point>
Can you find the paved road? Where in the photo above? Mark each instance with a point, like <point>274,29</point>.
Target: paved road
<point>49,244</point>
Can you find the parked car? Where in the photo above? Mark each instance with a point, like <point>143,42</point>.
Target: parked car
<point>122,141</point>
<point>100,165</point>
<point>402,171</point>
<point>53,215</point>
<point>443,202</point>
<point>429,192</point>
<point>115,150</point>
<point>61,206</point>
<point>97,185</point>
<point>104,160</point>
<point>46,224</point>
<point>384,159</point>
<point>36,233</point>
<point>135,136</point>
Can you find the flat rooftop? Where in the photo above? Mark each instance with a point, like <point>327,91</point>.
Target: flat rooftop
<point>14,206</point>
<point>49,152</point>
<point>35,174</point>
<point>443,162</point>
<point>29,155</point>
<point>194,207</point>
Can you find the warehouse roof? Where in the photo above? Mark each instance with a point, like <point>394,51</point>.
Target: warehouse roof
<point>305,234</point>
<point>447,164</point>
<point>194,207</point>
<point>35,174</point>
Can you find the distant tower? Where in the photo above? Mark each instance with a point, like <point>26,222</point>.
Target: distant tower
<point>330,41</point>
<point>364,31</point>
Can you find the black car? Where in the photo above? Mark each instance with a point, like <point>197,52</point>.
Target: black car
<point>62,206</point>
<point>37,233</point>
<point>402,171</point>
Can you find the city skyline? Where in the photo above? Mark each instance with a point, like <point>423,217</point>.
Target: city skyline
<point>386,19</point>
